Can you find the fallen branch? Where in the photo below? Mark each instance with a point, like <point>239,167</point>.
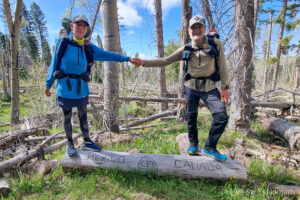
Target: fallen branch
<point>6,140</point>
<point>22,158</point>
<point>149,118</point>
<point>142,127</point>
<point>4,125</point>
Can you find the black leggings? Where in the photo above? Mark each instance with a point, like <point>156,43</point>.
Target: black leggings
<point>82,114</point>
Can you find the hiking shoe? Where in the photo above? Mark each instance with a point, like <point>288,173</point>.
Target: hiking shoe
<point>214,154</point>
<point>71,149</point>
<point>193,150</point>
<point>89,145</point>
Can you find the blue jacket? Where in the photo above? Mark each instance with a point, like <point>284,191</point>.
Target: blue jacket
<point>74,62</point>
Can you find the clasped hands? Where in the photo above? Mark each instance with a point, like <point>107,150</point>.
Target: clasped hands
<point>136,61</point>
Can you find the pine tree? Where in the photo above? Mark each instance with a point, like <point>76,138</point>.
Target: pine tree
<point>41,29</point>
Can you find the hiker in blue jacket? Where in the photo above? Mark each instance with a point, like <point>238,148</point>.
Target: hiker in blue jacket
<point>72,73</point>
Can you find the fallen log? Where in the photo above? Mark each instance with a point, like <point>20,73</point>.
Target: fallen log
<point>38,150</point>
<point>142,127</point>
<point>195,167</point>
<point>6,140</point>
<point>4,125</point>
<point>282,128</point>
<point>36,139</point>
<point>149,118</point>
<point>280,105</point>
<point>4,188</point>
<point>154,99</point>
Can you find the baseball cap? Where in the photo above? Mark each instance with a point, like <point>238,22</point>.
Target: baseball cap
<point>79,18</point>
<point>197,19</point>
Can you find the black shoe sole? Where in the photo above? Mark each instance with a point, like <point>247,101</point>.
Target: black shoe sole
<point>88,149</point>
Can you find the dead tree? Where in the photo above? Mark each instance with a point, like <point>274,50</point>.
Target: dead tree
<point>268,51</point>
<point>278,51</point>
<point>14,30</point>
<point>185,16</point>
<point>111,69</point>
<point>240,109</point>
<point>3,72</point>
<point>208,15</point>
<point>160,52</point>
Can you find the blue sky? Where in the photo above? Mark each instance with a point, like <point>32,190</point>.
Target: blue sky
<point>138,18</point>
<point>139,35</point>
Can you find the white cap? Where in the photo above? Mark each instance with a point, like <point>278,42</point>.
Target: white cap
<point>197,19</point>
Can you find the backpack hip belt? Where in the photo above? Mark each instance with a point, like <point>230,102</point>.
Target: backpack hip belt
<point>59,74</point>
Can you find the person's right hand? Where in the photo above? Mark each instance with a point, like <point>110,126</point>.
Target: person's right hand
<point>136,61</point>
<point>47,92</point>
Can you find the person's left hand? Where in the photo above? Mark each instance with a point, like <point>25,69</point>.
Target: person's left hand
<point>224,96</point>
<point>136,61</point>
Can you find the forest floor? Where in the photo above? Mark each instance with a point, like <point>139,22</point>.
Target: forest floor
<point>113,184</point>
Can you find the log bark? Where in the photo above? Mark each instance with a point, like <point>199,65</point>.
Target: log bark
<point>282,128</point>
<point>111,42</point>
<point>185,16</point>
<point>177,165</point>
<point>22,158</point>
<point>240,109</point>
<point>45,166</point>
<point>3,73</point>
<point>4,188</point>
<point>13,25</point>
<point>6,140</point>
<point>162,86</point>
<point>149,118</point>
<point>280,105</point>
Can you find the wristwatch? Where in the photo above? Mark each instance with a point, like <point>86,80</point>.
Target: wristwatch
<point>227,87</point>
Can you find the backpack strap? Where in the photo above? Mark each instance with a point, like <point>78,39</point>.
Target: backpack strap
<point>61,50</point>
<point>186,55</point>
<point>211,42</point>
<point>89,52</point>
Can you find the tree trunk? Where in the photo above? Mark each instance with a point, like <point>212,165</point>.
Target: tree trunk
<point>14,30</point>
<point>162,88</point>
<point>256,9</point>
<point>240,109</point>
<point>182,166</point>
<point>278,52</point>
<point>265,81</point>
<point>111,69</point>
<point>5,93</point>
<point>297,72</point>
<point>8,65</point>
<point>185,16</point>
<point>208,15</point>
<point>95,18</point>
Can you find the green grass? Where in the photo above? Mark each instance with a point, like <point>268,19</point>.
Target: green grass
<point>114,184</point>
<point>262,171</point>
